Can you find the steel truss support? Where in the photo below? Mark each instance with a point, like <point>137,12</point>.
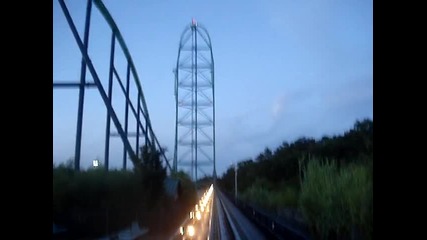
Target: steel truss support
<point>143,124</point>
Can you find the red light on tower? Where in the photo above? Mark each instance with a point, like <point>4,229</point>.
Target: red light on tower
<point>193,22</point>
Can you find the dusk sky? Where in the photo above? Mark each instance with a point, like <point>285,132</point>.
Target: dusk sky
<point>283,69</point>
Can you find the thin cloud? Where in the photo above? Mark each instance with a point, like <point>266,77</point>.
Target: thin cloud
<point>278,106</point>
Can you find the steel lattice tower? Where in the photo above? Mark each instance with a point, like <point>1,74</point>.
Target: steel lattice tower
<point>195,102</point>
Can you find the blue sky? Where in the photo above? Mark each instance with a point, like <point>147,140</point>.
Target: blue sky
<point>283,69</point>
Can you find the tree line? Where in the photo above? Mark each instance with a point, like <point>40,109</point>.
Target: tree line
<point>318,179</point>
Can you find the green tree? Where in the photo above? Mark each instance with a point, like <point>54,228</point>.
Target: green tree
<point>189,194</point>
<point>149,167</point>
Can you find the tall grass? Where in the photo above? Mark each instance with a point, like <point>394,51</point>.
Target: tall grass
<point>274,198</point>
<point>337,201</point>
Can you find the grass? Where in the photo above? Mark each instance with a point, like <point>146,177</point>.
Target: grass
<point>271,197</point>
<point>337,201</point>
